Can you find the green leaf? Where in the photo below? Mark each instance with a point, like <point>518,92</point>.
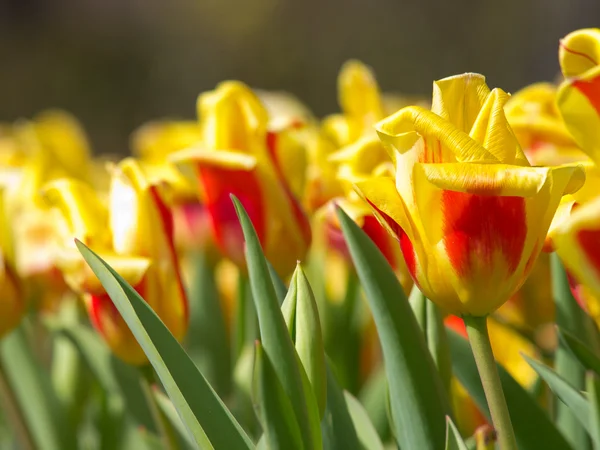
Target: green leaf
<point>274,334</point>
<point>569,317</point>
<point>454,440</point>
<point>581,351</point>
<point>199,407</point>
<point>307,337</point>
<point>170,412</point>
<point>592,383</point>
<point>418,401</point>
<point>277,417</point>
<point>207,341</point>
<point>337,426</point>
<point>33,393</point>
<point>374,398</point>
<point>533,428</point>
<point>366,432</point>
<point>569,395</point>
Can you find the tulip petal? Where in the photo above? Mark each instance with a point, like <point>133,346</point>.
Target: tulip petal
<point>459,98</point>
<point>579,51</point>
<point>358,93</point>
<point>579,103</point>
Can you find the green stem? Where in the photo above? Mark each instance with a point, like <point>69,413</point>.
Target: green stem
<point>488,372</point>
<point>11,406</point>
<point>165,430</point>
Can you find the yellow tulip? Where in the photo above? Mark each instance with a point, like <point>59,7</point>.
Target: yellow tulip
<point>538,126</point>
<point>469,211</point>
<point>12,302</point>
<point>239,155</point>
<point>134,234</point>
<point>579,95</point>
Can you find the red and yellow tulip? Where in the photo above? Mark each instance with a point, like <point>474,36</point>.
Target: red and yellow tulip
<point>133,232</point>
<point>238,155</point>
<point>468,209</point>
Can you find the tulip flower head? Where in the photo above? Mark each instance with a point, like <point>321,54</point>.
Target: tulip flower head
<point>133,232</point>
<point>469,211</point>
<point>239,155</point>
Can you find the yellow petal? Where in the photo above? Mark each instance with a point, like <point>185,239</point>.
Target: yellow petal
<point>579,102</point>
<point>459,98</point>
<point>226,159</point>
<point>358,93</point>
<point>579,51</point>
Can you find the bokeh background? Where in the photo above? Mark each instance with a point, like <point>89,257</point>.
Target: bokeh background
<point>118,63</point>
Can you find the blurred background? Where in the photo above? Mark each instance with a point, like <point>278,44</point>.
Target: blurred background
<point>118,63</point>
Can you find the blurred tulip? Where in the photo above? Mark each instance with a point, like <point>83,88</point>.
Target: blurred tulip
<point>238,155</point>
<point>538,126</point>
<point>12,303</point>
<point>134,234</point>
<point>54,145</point>
<point>466,206</point>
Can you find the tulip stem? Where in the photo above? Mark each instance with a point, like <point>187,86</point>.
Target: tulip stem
<point>164,428</point>
<point>14,412</point>
<point>479,338</point>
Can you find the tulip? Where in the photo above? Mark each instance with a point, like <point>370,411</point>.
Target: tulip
<point>133,232</point>
<point>538,126</point>
<point>469,211</point>
<point>12,303</point>
<point>238,155</point>
<point>579,95</point>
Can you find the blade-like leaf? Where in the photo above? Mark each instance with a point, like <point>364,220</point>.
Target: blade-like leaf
<point>418,401</point>
<point>569,317</point>
<point>592,383</point>
<point>570,396</point>
<point>454,440</point>
<point>533,428</point>
<point>374,398</point>
<point>169,411</point>
<point>33,393</point>
<point>199,407</point>
<point>274,334</point>
<point>581,351</point>
<point>278,284</point>
<point>365,431</point>
<point>278,420</point>
<point>337,426</point>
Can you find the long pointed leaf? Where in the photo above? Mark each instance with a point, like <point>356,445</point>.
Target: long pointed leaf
<point>365,431</point>
<point>418,401</point>
<point>199,407</point>
<point>274,334</point>
<point>454,440</point>
<point>581,351</point>
<point>570,396</point>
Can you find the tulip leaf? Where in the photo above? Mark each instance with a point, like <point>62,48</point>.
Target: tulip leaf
<point>569,317</point>
<point>454,440</point>
<point>533,428</point>
<point>278,284</point>
<point>279,424</point>
<point>374,398</point>
<point>170,412</point>
<point>207,341</point>
<point>275,337</point>
<point>200,408</point>
<point>418,401</point>
<point>581,351</point>
<point>366,432</point>
<point>570,396</point>
<point>337,425</point>
<point>31,389</point>
<point>592,384</point>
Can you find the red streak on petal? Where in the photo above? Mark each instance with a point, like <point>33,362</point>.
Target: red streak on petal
<point>167,222</point>
<point>478,226</point>
<point>589,240</point>
<point>591,89</point>
<point>577,291</point>
<point>102,308</point>
<point>574,52</point>
<point>218,184</point>
<point>381,238</point>
<point>408,252</point>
